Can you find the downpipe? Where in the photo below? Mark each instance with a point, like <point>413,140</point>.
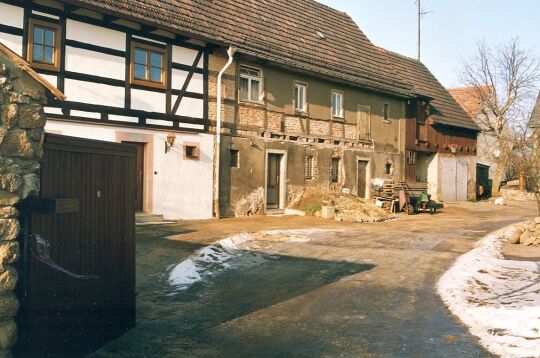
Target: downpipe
<point>230,52</point>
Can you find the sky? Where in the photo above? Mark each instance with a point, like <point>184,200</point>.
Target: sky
<point>450,32</point>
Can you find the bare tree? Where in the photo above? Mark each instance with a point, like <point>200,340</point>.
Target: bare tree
<point>531,164</point>
<point>510,75</point>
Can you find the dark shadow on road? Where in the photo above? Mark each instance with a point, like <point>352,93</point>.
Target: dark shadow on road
<point>180,323</point>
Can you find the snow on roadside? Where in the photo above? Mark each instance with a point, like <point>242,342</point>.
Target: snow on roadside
<point>499,300</point>
<point>234,251</point>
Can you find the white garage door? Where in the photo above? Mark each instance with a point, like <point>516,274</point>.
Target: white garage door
<point>454,179</point>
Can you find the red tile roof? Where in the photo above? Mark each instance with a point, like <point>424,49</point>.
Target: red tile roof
<point>469,98</point>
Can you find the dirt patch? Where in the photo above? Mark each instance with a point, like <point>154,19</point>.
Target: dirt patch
<point>348,207</point>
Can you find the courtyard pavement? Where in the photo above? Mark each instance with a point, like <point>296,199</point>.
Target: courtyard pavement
<point>355,290</point>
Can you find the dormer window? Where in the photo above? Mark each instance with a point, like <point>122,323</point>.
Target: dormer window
<point>44,45</point>
<point>148,65</point>
<point>250,84</point>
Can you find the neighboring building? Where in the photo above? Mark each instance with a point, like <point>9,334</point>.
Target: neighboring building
<point>440,144</point>
<point>308,100</point>
<point>470,99</point>
<point>318,114</point>
<point>535,116</point>
<point>129,82</point>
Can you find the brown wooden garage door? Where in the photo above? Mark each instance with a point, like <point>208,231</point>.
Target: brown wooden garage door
<point>62,312</point>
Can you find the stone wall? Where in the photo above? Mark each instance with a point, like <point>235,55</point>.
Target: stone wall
<point>21,147</point>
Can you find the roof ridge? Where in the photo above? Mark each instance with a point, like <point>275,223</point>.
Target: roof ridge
<point>399,54</point>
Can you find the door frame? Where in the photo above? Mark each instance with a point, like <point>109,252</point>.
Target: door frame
<point>148,178</point>
<point>368,176</point>
<point>282,179</point>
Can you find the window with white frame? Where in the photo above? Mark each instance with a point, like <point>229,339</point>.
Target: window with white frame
<point>337,104</point>
<point>300,102</point>
<point>250,84</point>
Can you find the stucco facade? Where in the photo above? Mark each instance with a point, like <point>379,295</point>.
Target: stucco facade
<point>254,130</point>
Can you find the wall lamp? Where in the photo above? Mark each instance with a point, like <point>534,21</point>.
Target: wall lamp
<point>169,143</point>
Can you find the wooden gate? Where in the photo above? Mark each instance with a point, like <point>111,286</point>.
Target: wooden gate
<point>86,212</point>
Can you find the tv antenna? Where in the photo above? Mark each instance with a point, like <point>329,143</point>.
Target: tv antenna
<point>421,13</point>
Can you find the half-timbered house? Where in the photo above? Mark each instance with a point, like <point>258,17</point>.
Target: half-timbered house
<point>125,81</point>
<point>308,100</point>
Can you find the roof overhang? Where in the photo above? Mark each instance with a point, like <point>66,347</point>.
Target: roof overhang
<point>52,91</point>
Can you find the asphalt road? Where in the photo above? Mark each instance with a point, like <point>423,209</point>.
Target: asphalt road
<point>359,290</point>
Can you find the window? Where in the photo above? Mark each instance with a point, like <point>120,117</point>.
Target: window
<point>334,170</point>
<point>148,65</point>
<point>386,113</point>
<point>337,104</point>
<point>308,171</point>
<point>410,157</point>
<point>44,45</point>
<point>300,103</point>
<point>235,160</point>
<point>388,168</point>
<point>191,151</point>
<point>364,123</point>
<point>250,84</point>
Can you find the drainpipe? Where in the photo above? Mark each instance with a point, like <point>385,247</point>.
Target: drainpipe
<point>230,52</point>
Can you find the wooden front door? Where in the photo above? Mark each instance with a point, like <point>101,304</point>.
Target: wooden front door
<point>273,181</point>
<point>361,178</point>
<point>140,175</point>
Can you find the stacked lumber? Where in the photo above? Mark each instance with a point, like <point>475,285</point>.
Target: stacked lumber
<point>390,191</point>
<point>413,189</point>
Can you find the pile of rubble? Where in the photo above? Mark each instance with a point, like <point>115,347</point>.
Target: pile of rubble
<point>527,234</point>
<point>353,209</point>
<point>329,204</point>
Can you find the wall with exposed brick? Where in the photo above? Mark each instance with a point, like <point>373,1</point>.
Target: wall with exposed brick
<point>257,127</point>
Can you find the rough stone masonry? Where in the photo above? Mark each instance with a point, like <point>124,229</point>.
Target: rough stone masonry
<point>22,122</point>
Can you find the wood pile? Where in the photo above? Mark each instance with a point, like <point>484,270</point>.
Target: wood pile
<point>390,191</point>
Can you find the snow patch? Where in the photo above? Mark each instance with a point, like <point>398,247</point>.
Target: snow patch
<point>499,300</point>
<point>232,252</point>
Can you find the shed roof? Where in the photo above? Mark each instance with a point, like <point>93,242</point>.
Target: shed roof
<point>25,66</point>
<point>443,107</point>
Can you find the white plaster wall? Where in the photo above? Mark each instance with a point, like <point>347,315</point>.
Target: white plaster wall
<point>53,80</point>
<point>196,84</point>
<point>95,63</point>
<point>433,178</point>
<point>185,56</point>
<point>13,42</point>
<point>189,180</point>
<point>11,15</point>
<point>149,101</point>
<point>85,114</point>
<point>95,35</point>
<point>181,188</point>
<point>94,93</point>
<point>190,107</point>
